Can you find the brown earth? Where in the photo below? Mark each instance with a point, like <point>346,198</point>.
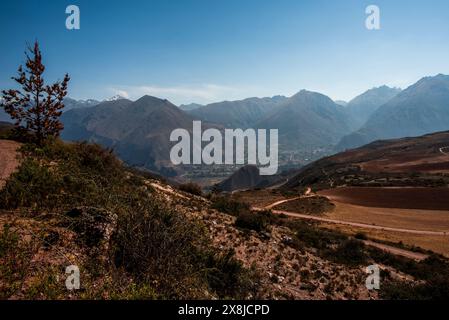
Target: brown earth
<point>314,205</point>
<point>413,162</point>
<point>404,198</point>
<point>428,229</point>
<point>413,219</point>
<point>409,163</point>
<point>436,244</point>
<point>258,198</point>
<point>9,159</point>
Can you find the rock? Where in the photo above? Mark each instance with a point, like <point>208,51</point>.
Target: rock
<point>94,226</point>
<point>264,235</point>
<point>286,240</point>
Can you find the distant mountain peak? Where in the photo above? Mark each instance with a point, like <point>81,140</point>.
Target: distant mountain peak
<point>148,98</point>
<point>115,98</point>
<point>432,80</point>
<point>307,97</point>
<point>420,109</point>
<point>305,92</point>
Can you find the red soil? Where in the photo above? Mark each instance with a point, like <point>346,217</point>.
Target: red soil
<point>404,198</point>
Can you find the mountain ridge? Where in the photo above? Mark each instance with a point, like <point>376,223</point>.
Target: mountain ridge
<point>420,109</point>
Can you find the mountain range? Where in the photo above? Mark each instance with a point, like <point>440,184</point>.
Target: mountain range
<point>238,114</point>
<point>363,106</point>
<point>420,109</point>
<point>69,104</point>
<point>404,162</point>
<point>308,120</point>
<point>138,131</point>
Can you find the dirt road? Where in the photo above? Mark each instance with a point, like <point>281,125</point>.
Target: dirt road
<point>397,251</point>
<point>361,225</point>
<point>442,150</point>
<point>307,194</point>
<point>8,159</point>
<point>393,250</point>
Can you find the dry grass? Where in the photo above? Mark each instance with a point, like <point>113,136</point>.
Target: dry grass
<point>258,198</point>
<point>315,205</point>
<point>429,220</point>
<point>437,244</point>
<point>8,159</point>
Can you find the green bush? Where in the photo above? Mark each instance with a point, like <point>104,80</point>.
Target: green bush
<point>157,245</point>
<point>160,246</point>
<point>350,252</point>
<point>15,259</point>
<point>191,188</point>
<point>154,251</point>
<point>33,185</point>
<point>360,236</point>
<point>257,221</point>
<point>435,289</point>
<point>229,205</point>
<point>315,237</point>
<point>227,276</point>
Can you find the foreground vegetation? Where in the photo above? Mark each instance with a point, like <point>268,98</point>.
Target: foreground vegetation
<point>78,204</point>
<point>126,241</point>
<point>430,276</point>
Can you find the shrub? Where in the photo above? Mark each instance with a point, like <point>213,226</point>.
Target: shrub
<point>360,236</point>
<point>257,221</point>
<point>427,269</point>
<point>33,185</point>
<point>350,252</point>
<point>315,237</point>
<point>227,276</point>
<point>191,188</point>
<point>229,206</point>
<point>15,258</point>
<point>436,289</point>
<point>157,245</point>
<point>154,251</point>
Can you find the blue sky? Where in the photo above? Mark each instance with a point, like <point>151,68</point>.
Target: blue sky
<point>212,50</point>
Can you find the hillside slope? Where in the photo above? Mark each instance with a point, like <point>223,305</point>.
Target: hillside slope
<point>247,177</point>
<point>238,114</point>
<point>308,120</point>
<point>419,161</point>
<point>138,131</point>
<point>420,109</point>
<point>363,106</point>
<point>134,237</point>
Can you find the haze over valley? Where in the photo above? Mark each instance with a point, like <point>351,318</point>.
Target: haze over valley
<point>310,124</point>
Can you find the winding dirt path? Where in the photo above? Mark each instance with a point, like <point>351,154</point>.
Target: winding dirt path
<point>393,250</point>
<point>397,251</point>
<point>307,194</point>
<point>361,225</point>
<point>446,153</point>
<point>8,159</point>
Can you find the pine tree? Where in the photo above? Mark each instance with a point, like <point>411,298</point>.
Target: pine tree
<point>36,107</point>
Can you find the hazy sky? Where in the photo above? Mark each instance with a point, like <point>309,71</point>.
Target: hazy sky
<point>212,50</point>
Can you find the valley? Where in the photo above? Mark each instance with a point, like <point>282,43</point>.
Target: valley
<point>207,157</point>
